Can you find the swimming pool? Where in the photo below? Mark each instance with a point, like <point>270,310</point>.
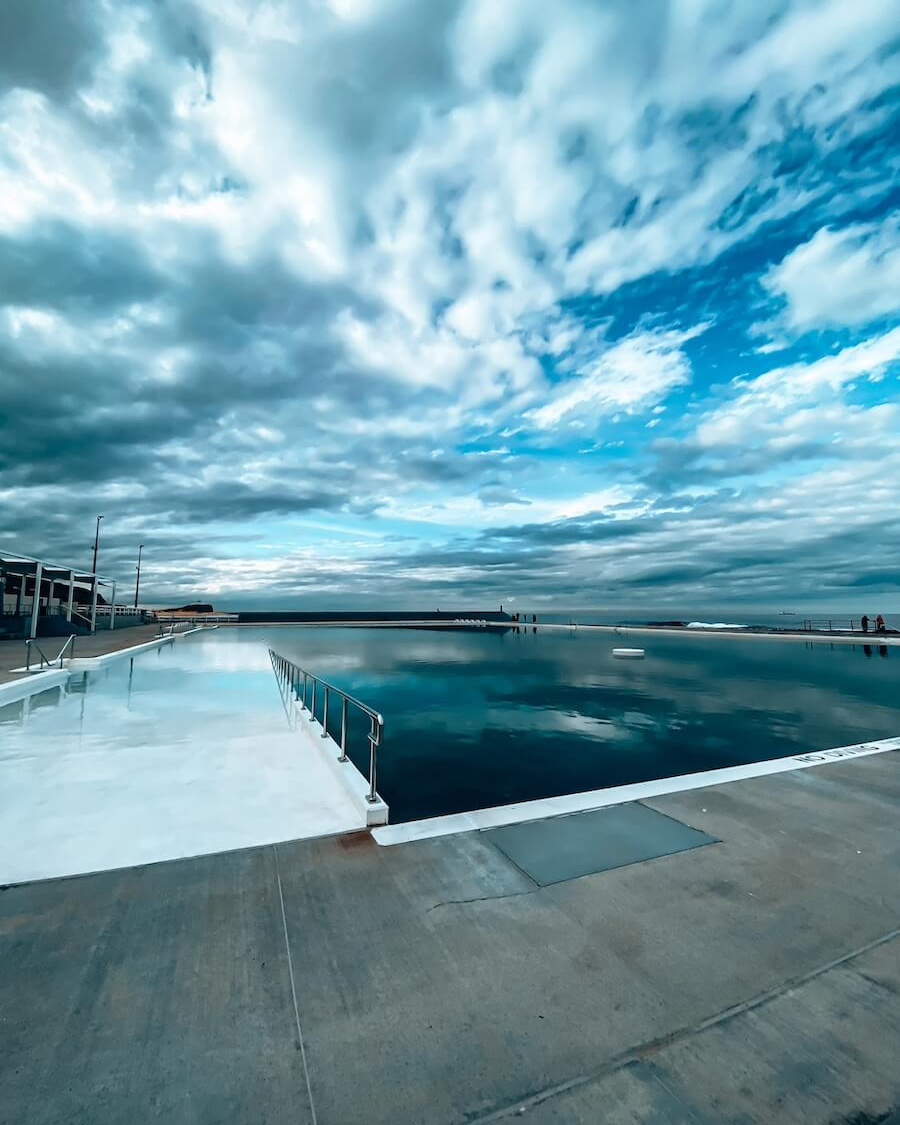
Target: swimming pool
<point>472,719</point>
<point>483,718</point>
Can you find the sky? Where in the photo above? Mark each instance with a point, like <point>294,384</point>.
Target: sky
<point>421,303</point>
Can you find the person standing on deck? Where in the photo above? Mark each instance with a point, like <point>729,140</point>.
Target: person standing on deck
<point>879,624</point>
<point>865,623</point>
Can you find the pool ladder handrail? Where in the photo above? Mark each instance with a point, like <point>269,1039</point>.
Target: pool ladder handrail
<point>172,629</point>
<point>45,660</point>
<point>299,681</point>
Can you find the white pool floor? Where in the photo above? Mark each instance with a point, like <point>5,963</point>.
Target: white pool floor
<point>158,758</point>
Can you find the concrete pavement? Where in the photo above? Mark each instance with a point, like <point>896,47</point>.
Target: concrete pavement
<point>753,980</point>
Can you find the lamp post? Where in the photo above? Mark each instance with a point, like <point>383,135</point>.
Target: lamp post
<point>137,582</point>
<point>96,543</point>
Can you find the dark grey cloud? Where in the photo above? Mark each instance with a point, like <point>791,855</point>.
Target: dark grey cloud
<point>48,46</point>
<point>61,266</point>
<point>563,532</point>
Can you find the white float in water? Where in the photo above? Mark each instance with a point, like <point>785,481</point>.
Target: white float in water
<point>629,653</point>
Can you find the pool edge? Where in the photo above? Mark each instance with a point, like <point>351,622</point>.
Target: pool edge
<point>392,834</point>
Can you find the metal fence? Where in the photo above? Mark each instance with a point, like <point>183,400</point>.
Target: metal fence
<point>308,690</point>
<point>830,625</point>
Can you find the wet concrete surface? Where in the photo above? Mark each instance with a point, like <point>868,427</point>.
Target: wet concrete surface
<point>753,980</point>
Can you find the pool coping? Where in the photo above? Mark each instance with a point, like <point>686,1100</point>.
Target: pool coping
<point>544,808</point>
<point>14,690</point>
<point>735,633</point>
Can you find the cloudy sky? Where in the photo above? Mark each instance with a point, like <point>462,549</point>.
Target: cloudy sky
<point>431,302</point>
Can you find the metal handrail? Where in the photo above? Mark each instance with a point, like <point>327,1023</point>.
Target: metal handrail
<point>194,619</point>
<point>829,625</point>
<point>171,631</point>
<point>57,660</point>
<point>305,687</point>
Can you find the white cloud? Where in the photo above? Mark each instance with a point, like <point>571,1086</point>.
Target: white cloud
<point>805,405</point>
<point>840,277</point>
<point>631,375</point>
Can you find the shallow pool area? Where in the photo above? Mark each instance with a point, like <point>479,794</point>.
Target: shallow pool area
<point>189,748</point>
<point>178,751</point>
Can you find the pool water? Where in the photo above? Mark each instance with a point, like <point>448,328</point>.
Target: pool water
<point>475,719</point>
<point>482,718</point>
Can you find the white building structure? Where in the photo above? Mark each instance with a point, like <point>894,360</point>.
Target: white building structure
<point>33,588</point>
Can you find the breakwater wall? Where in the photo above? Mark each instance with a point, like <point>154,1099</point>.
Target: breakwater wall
<point>449,617</point>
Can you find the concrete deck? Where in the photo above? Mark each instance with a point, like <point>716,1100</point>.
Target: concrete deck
<point>755,980</point>
<point>12,653</point>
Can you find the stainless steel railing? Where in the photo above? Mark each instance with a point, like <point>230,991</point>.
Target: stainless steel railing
<point>830,625</point>
<point>196,618</point>
<point>46,662</point>
<point>172,630</point>
<point>306,687</point>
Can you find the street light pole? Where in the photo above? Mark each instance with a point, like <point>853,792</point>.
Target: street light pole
<point>96,543</point>
<point>137,583</point>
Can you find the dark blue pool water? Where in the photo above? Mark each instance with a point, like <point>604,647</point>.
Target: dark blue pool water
<point>481,718</point>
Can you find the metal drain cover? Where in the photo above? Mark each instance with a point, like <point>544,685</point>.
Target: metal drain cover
<point>566,847</point>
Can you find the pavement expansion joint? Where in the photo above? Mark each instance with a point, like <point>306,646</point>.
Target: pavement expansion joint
<point>654,1046</point>
<point>290,961</point>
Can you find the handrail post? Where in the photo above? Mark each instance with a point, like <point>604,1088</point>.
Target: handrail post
<point>325,715</point>
<point>343,757</point>
<point>374,739</point>
<point>312,710</point>
<point>28,655</point>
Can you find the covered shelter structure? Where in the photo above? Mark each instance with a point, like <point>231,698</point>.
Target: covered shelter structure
<point>40,598</point>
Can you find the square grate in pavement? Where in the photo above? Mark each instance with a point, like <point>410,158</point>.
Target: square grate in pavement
<point>566,847</point>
